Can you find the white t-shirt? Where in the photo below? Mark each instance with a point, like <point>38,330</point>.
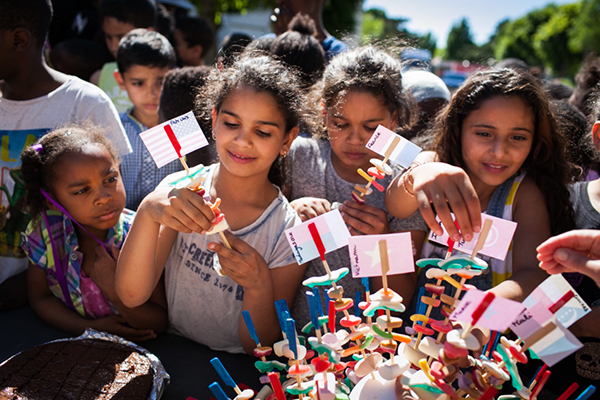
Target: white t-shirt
<point>21,124</point>
<point>204,306</point>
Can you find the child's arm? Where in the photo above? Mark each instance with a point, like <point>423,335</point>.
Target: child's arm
<point>53,311</point>
<point>438,186</point>
<point>310,207</point>
<point>531,215</point>
<point>146,249</point>
<point>149,315</point>
<point>262,286</point>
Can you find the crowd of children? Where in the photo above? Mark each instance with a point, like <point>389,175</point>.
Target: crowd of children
<point>109,243</point>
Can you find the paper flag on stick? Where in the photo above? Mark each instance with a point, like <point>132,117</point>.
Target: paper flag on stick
<point>497,316</point>
<point>557,344</point>
<point>557,295</point>
<point>365,259</point>
<point>497,242</point>
<point>403,153</point>
<point>332,231</point>
<point>174,139</point>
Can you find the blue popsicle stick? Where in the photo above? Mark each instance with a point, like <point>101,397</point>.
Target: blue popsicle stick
<point>217,390</point>
<point>315,291</point>
<point>421,307</point>
<point>357,299</point>
<point>587,393</point>
<point>281,307</point>
<point>250,326</point>
<point>312,308</point>
<point>365,283</point>
<point>216,363</point>
<point>291,336</point>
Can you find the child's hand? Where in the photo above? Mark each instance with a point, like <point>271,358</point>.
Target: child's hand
<point>364,219</point>
<point>103,270</point>
<point>242,263</point>
<point>115,324</point>
<point>573,251</point>
<point>310,207</point>
<point>448,189</point>
<point>179,209</point>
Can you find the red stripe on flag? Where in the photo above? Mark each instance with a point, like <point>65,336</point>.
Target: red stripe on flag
<point>561,302</point>
<point>485,303</point>
<point>173,139</point>
<point>317,239</point>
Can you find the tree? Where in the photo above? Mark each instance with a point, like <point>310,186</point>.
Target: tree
<point>551,40</point>
<point>585,35</point>
<point>378,27</point>
<point>515,37</point>
<point>460,45</point>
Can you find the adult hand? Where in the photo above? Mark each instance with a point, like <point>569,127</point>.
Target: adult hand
<point>573,251</point>
<point>242,263</point>
<point>448,189</point>
<point>310,207</point>
<point>115,324</point>
<point>364,219</point>
<point>180,209</point>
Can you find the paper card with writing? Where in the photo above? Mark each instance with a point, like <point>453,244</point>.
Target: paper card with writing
<point>332,230</point>
<point>498,316</point>
<point>557,295</point>
<point>403,153</point>
<point>174,139</point>
<point>531,320</point>
<point>558,344</point>
<point>366,261</point>
<point>496,244</point>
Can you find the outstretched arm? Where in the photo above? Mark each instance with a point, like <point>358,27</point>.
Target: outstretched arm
<point>436,188</point>
<point>144,254</point>
<point>262,286</point>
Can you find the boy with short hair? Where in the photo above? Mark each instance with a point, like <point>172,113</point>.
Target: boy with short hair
<point>117,18</point>
<point>143,58</point>
<point>33,100</point>
<point>194,38</point>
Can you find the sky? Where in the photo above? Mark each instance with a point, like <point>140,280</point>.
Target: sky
<point>438,16</point>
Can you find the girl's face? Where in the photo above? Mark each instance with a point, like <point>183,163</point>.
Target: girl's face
<point>250,132</point>
<point>350,125</point>
<point>496,140</point>
<point>89,186</point>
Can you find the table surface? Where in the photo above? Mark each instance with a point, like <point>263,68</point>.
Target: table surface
<point>187,362</point>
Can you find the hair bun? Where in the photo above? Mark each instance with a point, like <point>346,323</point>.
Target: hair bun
<point>303,24</point>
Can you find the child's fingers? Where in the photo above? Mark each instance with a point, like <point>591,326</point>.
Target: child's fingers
<point>367,219</point>
<point>461,211</point>
<point>428,213</point>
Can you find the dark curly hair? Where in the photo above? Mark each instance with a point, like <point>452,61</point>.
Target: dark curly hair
<point>547,162</point>
<point>586,79</point>
<point>37,167</point>
<point>263,74</point>
<point>368,69</point>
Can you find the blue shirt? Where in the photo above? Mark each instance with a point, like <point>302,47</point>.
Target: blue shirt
<point>140,174</point>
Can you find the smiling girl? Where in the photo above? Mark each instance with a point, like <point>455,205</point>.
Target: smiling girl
<point>257,108</point>
<point>499,151</point>
<point>75,192</point>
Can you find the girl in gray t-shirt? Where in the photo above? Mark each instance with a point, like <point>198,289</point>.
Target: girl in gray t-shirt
<point>361,89</point>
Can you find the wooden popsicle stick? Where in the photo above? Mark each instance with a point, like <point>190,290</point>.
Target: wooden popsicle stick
<point>185,166</point>
<point>385,263</point>
<point>482,238</point>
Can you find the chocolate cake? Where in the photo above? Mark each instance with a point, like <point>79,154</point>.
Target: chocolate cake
<point>77,369</point>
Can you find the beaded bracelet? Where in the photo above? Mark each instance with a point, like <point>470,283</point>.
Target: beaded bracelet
<point>406,176</point>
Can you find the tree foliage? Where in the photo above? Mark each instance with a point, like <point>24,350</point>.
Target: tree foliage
<point>585,35</point>
<point>378,27</point>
